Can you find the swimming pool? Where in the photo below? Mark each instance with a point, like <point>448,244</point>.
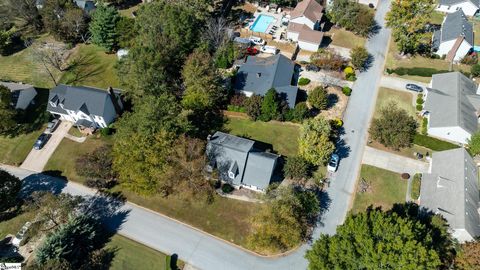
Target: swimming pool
<point>261,23</point>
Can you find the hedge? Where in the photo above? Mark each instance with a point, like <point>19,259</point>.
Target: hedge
<point>303,81</point>
<point>416,184</point>
<point>416,71</point>
<point>433,143</point>
<point>424,126</point>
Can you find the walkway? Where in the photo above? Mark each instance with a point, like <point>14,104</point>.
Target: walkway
<point>37,159</point>
<point>393,162</point>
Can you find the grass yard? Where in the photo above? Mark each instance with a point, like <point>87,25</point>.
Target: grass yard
<point>14,150</point>
<point>436,17</point>
<point>13,225</point>
<point>131,255</point>
<point>403,100</point>
<point>386,188</point>
<point>476,31</point>
<point>93,67</point>
<point>343,38</point>
<point>282,136</point>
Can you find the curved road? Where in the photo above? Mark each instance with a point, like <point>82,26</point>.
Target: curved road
<point>206,252</point>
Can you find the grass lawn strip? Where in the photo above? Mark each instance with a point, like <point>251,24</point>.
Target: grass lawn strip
<point>386,188</point>
<point>343,38</point>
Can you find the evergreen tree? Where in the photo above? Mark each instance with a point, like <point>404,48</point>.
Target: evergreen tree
<point>10,187</point>
<point>103,27</point>
<point>270,106</point>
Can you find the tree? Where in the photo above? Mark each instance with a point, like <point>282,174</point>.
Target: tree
<point>284,220</point>
<point>315,144</point>
<point>402,238</point>
<point>469,256</point>
<point>407,19</point>
<point>125,32</point>
<point>103,27</point>
<point>253,106</point>
<point>226,54</point>
<point>318,98</point>
<point>52,58</point>
<point>328,59</point>
<point>66,21</point>
<point>270,106</point>
<point>96,164</point>
<point>7,112</point>
<point>299,113</point>
<point>475,70</point>
<point>297,168</point>
<point>353,16</point>
<point>394,128</point>
<point>6,36</point>
<point>216,32</point>
<point>23,11</point>
<point>10,187</point>
<point>359,57</point>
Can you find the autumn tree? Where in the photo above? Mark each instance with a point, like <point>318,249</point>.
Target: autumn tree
<point>328,59</point>
<point>253,106</point>
<point>407,19</point>
<point>315,144</point>
<point>7,112</point>
<point>353,16</point>
<point>359,57</point>
<point>23,12</point>
<point>469,256</point>
<point>66,21</point>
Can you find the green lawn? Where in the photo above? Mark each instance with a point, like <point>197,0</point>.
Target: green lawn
<point>282,136</point>
<point>386,188</point>
<point>13,225</point>
<point>93,67</point>
<point>132,255</point>
<point>437,17</point>
<point>476,31</point>
<point>401,98</point>
<point>343,38</point>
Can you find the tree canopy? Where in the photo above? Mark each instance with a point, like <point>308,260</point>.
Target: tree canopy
<point>353,16</point>
<point>103,27</point>
<point>474,144</point>
<point>318,98</point>
<point>315,144</point>
<point>10,187</point>
<point>7,112</point>
<point>359,57</point>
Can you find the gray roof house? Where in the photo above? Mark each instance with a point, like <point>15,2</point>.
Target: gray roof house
<point>453,107</point>
<point>470,7</point>
<point>455,38</point>
<point>239,162</point>
<point>85,106</point>
<point>257,75</point>
<point>87,5</point>
<point>451,189</point>
<point>22,94</point>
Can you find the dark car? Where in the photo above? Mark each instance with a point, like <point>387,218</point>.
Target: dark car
<point>41,141</point>
<point>414,87</point>
<point>313,68</point>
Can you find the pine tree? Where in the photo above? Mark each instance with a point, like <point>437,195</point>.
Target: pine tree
<point>102,27</point>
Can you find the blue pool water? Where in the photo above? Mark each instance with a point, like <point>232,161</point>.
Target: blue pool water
<point>261,23</point>
<point>476,48</point>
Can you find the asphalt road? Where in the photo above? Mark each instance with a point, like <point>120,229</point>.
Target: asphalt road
<point>206,252</point>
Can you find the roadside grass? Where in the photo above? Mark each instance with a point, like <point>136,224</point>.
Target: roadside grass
<point>91,67</point>
<point>131,255</point>
<point>386,188</point>
<point>343,38</point>
<point>13,225</point>
<point>282,136</point>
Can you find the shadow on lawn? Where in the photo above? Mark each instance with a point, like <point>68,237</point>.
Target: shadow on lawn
<point>81,69</point>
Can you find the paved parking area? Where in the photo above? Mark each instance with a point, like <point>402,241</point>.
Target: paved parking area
<point>37,159</point>
<point>392,162</point>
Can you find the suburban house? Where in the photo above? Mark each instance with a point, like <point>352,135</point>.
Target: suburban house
<point>22,94</point>
<point>452,107</point>
<point>86,107</point>
<point>455,38</point>
<point>239,162</point>
<point>87,5</point>
<point>451,189</point>
<point>469,7</point>
<point>257,75</point>
<point>304,22</point>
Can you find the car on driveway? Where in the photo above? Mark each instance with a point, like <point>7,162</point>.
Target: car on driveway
<point>333,163</point>
<point>41,141</point>
<point>51,126</point>
<point>313,68</point>
<point>414,87</point>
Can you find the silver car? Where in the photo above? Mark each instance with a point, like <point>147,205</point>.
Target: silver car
<point>51,126</point>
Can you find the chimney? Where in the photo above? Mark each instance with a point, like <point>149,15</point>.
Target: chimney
<point>209,137</point>
<point>113,97</point>
<point>259,75</point>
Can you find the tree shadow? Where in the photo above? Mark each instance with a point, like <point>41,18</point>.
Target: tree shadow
<point>42,182</point>
<point>81,69</point>
<point>332,99</point>
<point>375,29</point>
<point>341,147</point>
<point>126,4</point>
<point>325,201</point>
<point>368,63</point>
<point>16,45</point>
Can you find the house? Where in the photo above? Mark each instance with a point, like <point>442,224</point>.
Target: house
<point>451,189</point>
<point>304,22</point>
<point>22,94</point>
<point>455,38</point>
<point>87,5</point>
<point>452,107</point>
<point>257,75</point>
<point>239,162</point>
<point>86,107</point>
<point>469,7</point>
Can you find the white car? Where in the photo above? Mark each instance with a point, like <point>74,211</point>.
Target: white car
<point>19,236</point>
<point>269,49</point>
<point>257,41</point>
<point>333,163</point>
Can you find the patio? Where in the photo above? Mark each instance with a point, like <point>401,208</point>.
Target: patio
<point>276,30</point>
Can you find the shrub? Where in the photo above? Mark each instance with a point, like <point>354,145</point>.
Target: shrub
<point>351,77</point>
<point>297,168</point>
<point>416,183</point>
<point>234,108</point>
<point>298,114</point>
<point>238,100</point>
<point>475,70</point>
<point>336,123</point>
<point>420,101</point>
<point>348,70</point>
<point>328,59</point>
<point>227,188</point>
<point>105,131</point>
<point>433,143</point>
<point>419,107</point>
<point>416,71</point>
<point>405,176</point>
<point>253,106</point>
<point>303,81</point>
<point>471,59</point>
<point>424,126</point>
<point>347,91</point>
<point>359,57</point>
<point>97,164</point>
<point>318,98</point>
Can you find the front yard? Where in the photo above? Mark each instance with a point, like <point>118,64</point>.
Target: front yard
<point>343,38</point>
<point>382,188</point>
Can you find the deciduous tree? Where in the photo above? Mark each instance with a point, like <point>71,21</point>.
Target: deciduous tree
<point>10,187</point>
<point>270,106</point>
<point>353,16</point>
<point>66,21</point>
<point>253,106</point>
<point>359,57</point>
<point>469,256</point>
<point>23,11</point>
<point>297,168</point>
<point>97,164</point>
<point>315,144</point>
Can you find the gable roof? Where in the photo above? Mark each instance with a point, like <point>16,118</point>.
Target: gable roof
<point>308,8</point>
<point>454,25</point>
<point>457,93</point>
<point>259,170</point>
<point>451,189</point>
<point>258,75</point>
<point>305,33</point>
<point>87,99</point>
<point>22,94</point>
<point>456,2</point>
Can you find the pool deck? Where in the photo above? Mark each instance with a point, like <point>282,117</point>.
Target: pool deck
<point>276,22</point>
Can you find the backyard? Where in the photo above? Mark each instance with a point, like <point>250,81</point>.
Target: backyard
<point>343,38</point>
<point>281,135</point>
<point>383,188</point>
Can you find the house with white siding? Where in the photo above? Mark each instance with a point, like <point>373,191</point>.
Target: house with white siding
<point>304,25</point>
<point>469,7</point>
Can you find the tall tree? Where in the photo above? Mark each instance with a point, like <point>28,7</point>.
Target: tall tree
<point>23,11</point>
<point>315,144</point>
<point>103,27</point>
<point>253,106</point>
<point>397,239</point>
<point>125,30</point>
<point>9,189</point>
<point>66,21</point>
<point>7,112</point>
<point>353,16</point>
<point>407,19</point>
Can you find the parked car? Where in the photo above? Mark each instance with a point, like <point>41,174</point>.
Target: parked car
<point>41,141</point>
<point>19,236</point>
<point>414,87</point>
<point>269,49</point>
<point>333,163</point>
<point>243,41</point>
<point>313,68</point>
<point>257,41</point>
<point>51,126</point>
<point>251,51</point>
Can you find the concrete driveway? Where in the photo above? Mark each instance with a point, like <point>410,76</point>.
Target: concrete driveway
<point>37,159</point>
<point>324,78</point>
<point>399,83</point>
<point>392,162</point>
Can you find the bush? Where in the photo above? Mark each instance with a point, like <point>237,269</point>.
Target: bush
<point>416,71</point>
<point>234,108</point>
<point>475,70</point>
<point>238,100</point>
<point>336,123</point>
<point>318,98</point>
<point>303,81</point>
<point>253,106</point>
<point>351,77</point>
<point>348,70</point>
<point>420,101</point>
<point>471,59</point>
<point>433,143</point>
<point>416,184</point>
<point>100,183</point>
<point>359,57</point>
<point>97,164</point>
<point>419,107</point>
<point>405,176</point>
<point>297,168</point>
<point>227,188</point>
<point>424,126</point>
<point>347,91</point>
<point>105,132</point>
<point>328,59</point>
<point>298,114</point>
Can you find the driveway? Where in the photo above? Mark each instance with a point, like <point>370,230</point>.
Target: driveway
<point>399,83</point>
<point>392,162</point>
<point>324,78</point>
<point>37,159</point>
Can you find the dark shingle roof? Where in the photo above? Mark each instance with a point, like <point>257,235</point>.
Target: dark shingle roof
<point>258,75</point>
<point>455,25</point>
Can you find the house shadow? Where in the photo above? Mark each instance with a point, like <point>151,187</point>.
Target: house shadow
<point>326,41</point>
